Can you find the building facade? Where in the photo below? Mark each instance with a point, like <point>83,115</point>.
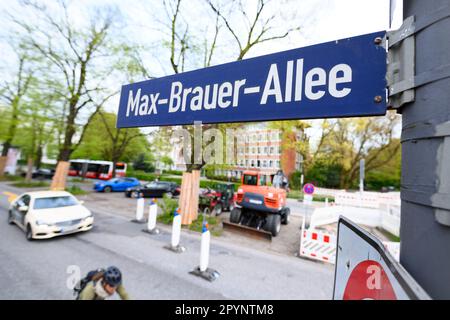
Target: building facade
<point>257,147</point>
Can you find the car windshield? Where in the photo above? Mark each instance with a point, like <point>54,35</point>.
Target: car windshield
<point>250,179</point>
<point>54,202</point>
<point>153,185</point>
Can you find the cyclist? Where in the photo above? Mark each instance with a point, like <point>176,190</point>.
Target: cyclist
<point>101,284</point>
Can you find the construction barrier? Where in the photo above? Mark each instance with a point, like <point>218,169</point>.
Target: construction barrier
<point>393,248</point>
<point>318,245</point>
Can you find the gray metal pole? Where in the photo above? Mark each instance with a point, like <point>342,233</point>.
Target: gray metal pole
<point>425,191</point>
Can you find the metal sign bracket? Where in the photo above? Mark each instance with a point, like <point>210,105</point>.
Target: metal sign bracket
<point>400,75</point>
<point>400,64</point>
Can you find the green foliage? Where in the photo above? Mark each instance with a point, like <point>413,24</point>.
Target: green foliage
<point>141,175</point>
<point>295,180</point>
<point>76,190</point>
<point>32,184</point>
<point>174,172</point>
<point>213,225</point>
<point>296,194</point>
<point>143,162</point>
<point>168,207</point>
<point>324,174</point>
<point>103,141</point>
<point>377,179</point>
<point>8,177</point>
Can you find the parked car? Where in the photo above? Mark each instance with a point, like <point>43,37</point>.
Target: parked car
<point>116,184</point>
<point>387,189</point>
<point>155,189</point>
<point>46,214</point>
<point>41,174</point>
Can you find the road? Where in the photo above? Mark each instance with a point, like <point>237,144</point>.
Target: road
<point>39,269</point>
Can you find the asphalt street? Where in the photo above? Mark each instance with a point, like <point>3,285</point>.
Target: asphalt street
<point>42,269</point>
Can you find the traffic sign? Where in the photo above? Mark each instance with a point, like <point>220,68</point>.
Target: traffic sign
<point>308,188</point>
<point>365,270</point>
<point>342,78</point>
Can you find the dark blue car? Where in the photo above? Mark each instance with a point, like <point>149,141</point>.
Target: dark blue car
<point>116,184</point>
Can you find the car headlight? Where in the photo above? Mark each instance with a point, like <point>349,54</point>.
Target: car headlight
<point>42,223</point>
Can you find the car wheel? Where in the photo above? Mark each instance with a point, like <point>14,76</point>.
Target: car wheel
<point>169,195</point>
<point>135,194</point>
<point>10,218</point>
<point>286,218</point>
<point>107,189</point>
<point>235,215</point>
<point>217,209</point>
<point>273,224</point>
<point>29,233</point>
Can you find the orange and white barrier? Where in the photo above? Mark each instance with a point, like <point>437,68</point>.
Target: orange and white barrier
<point>318,245</point>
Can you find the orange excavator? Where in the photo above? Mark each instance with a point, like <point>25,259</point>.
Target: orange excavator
<point>260,207</point>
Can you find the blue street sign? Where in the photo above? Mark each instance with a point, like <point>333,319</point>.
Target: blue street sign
<point>334,79</point>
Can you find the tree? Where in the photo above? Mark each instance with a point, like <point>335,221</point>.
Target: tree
<point>12,93</point>
<point>103,141</point>
<point>73,54</point>
<point>344,142</point>
<point>36,128</point>
<point>258,28</point>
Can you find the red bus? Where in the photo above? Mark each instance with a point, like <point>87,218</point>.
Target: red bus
<point>96,169</point>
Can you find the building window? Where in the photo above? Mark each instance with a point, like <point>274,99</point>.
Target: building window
<point>278,164</point>
<point>264,164</point>
<point>272,150</point>
<point>246,163</point>
<point>253,163</point>
<point>258,163</point>
<point>270,164</point>
<point>265,150</point>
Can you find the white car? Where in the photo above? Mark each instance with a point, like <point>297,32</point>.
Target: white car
<point>46,214</point>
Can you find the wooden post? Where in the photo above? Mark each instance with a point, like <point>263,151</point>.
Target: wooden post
<point>188,202</point>
<point>59,179</point>
<point>195,185</point>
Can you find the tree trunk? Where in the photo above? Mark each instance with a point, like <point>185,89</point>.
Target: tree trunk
<point>38,159</point>
<point>29,175</point>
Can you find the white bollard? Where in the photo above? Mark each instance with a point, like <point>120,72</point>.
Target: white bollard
<point>202,270</point>
<point>204,248</point>
<point>140,209</point>
<point>152,214</point>
<point>176,229</point>
<point>326,202</point>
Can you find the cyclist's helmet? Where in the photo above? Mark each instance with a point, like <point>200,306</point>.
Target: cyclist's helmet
<point>112,276</point>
